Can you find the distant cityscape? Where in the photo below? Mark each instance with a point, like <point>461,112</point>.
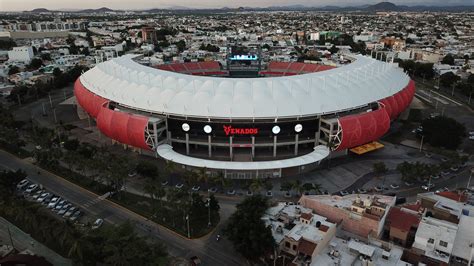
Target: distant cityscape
<point>281,135</point>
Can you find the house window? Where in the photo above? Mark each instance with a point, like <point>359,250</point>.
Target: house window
<point>443,244</point>
<point>430,241</point>
<point>294,247</point>
<point>287,244</point>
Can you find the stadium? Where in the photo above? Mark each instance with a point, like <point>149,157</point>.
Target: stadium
<point>281,119</point>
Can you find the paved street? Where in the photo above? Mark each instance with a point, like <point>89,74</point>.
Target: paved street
<point>207,248</point>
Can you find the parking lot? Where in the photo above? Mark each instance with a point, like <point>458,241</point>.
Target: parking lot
<point>60,207</point>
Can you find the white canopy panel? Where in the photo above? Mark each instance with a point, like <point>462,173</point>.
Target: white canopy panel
<point>149,89</point>
<point>166,151</point>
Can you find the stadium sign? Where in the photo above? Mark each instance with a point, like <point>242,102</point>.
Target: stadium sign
<point>229,130</point>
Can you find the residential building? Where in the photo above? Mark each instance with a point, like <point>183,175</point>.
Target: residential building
<point>21,54</point>
<point>359,214</point>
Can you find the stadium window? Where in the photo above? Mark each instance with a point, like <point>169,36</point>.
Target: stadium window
<point>430,241</point>
<point>443,244</point>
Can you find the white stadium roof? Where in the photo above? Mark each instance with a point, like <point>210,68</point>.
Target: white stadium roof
<point>149,89</point>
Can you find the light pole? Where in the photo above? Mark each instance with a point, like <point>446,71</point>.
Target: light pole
<point>421,143</point>
<point>209,208</point>
<point>187,222</point>
<point>469,180</point>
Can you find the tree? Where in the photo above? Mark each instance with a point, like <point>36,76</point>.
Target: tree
<point>448,79</point>
<point>13,70</point>
<point>443,132</point>
<point>256,185</point>
<point>246,230</point>
<point>57,72</point>
<point>297,186</point>
<point>286,186</point>
<point>379,168</point>
<point>181,45</point>
<point>71,144</point>
<point>307,187</point>
<point>448,59</point>
<point>35,63</point>
<point>147,169</point>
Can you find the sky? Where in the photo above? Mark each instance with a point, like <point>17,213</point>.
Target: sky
<point>22,5</point>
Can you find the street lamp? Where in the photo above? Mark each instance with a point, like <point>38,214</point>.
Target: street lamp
<point>469,180</point>
<point>187,222</point>
<point>421,143</point>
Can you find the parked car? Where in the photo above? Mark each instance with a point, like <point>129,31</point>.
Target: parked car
<point>287,194</point>
<point>343,193</point>
<point>42,197</point>
<point>98,223</point>
<point>408,184</point>
<point>64,209</point>
<point>434,176</point>
<point>22,184</point>
<point>31,188</point>
<point>47,199</point>
<point>54,201</point>
<point>454,168</point>
<point>70,212</point>
<point>179,186</point>
<point>378,188</point>
<point>164,182</point>
<point>195,188</point>
<point>212,190</point>
<point>269,193</point>
<point>132,173</point>
<point>444,159</point>
<point>60,205</point>
<point>445,173</point>
<point>394,186</point>
<point>249,193</point>
<point>37,194</point>
<point>75,216</point>
<point>361,190</point>
<point>231,192</point>
<point>428,155</point>
<point>427,186</point>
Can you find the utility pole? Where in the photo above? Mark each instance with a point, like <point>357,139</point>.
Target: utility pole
<point>55,118</point>
<point>469,180</point>
<point>209,207</point>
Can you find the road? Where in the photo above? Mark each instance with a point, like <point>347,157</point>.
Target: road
<point>207,248</point>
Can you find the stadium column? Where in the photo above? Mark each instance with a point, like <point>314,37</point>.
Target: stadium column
<point>317,134</point>
<point>296,144</point>
<point>274,146</point>
<point>253,147</point>
<point>187,144</point>
<point>209,145</point>
<point>230,148</point>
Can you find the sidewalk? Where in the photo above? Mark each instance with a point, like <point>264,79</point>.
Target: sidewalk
<point>22,241</point>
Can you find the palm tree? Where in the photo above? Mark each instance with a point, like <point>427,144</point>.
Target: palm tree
<point>298,186</point>
<point>256,185</point>
<point>317,187</point>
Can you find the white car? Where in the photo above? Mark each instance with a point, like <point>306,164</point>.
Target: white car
<point>343,193</point>
<point>179,186</point>
<point>394,186</point>
<point>361,190</point>
<point>54,201</point>
<point>195,188</point>
<point>70,212</point>
<point>231,192</point>
<point>427,186</point>
<point>269,193</point>
<point>471,137</point>
<point>98,223</point>
<point>23,183</point>
<point>60,205</point>
<point>64,209</point>
<point>42,197</point>
<point>37,194</point>
<point>378,188</point>
<point>31,188</point>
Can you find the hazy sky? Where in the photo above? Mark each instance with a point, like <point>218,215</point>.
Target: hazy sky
<point>20,5</point>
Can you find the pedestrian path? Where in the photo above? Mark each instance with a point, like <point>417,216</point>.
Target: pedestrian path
<point>96,200</point>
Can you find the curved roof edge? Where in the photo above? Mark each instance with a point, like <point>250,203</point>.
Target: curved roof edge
<point>144,88</point>
<point>166,151</point>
